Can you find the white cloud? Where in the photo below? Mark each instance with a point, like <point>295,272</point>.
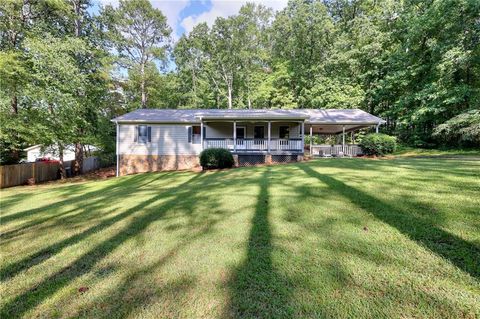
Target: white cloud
<point>170,8</point>
<point>219,8</point>
<point>225,8</point>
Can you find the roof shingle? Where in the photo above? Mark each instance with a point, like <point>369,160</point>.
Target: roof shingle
<point>314,116</point>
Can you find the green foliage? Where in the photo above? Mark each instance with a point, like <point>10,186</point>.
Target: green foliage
<point>416,64</point>
<point>140,34</point>
<point>461,130</point>
<point>378,144</point>
<point>216,158</point>
<point>54,76</point>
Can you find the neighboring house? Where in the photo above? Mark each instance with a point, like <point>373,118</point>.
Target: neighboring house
<point>51,152</point>
<point>161,139</point>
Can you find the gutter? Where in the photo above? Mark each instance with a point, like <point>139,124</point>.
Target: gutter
<point>117,144</point>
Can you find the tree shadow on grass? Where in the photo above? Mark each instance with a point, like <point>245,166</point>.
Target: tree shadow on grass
<point>104,196</point>
<point>257,290</point>
<point>135,292</point>
<point>461,253</point>
<point>131,183</point>
<point>22,303</point>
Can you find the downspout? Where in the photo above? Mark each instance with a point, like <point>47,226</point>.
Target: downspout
<point>201,133</point>
<point>117,150</point>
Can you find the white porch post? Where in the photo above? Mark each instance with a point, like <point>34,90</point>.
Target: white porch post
<point>343,139</point>
<point>234,136</point>
<point>303,136</point>
<point>269,135</point>
<point>376,128</point>
<point>201,133</point>
<point>117,151</point>
<point>311,142</point>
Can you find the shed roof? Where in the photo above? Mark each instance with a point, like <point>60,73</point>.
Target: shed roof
<point>311,116</point>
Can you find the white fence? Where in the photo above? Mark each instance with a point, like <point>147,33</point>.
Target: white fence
<point>336,150</point>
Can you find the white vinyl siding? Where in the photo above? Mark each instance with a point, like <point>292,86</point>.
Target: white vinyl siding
<point>167,139</point>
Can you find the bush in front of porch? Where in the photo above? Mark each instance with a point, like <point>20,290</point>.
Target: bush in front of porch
<point>216,158</point>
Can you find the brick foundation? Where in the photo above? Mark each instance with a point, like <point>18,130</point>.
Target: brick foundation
<point>131,164</point>
<point>235,160</point>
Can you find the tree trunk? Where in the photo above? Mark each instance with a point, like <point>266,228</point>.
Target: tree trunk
<point>63,173</point>
<point>14,103</point>
<point>14,153</point>
<point>78,165</point>
<point>142,85</point>
<point>229,96</point>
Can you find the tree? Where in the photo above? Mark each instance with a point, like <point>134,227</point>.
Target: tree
<point>252,28</point>
<point>17,19</point>
<point>140,35</point>
<point>198,80</point>
<point>57,80</point>
<point>303,36</point>
<point>461,130</point>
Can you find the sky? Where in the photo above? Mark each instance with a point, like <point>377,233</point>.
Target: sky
<point>183,15</point>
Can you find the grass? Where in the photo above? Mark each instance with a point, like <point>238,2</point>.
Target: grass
<point>423,152</point>
<point>333,238</point>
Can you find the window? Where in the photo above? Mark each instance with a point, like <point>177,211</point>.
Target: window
<point>143,134</point>
<point>195,135</point>
<point>259,132</point>
<point>284,132</point>
<point>240,132</point>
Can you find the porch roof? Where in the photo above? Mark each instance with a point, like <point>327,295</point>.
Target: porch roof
<point>310,116</point>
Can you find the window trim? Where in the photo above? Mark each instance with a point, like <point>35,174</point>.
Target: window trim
<point>148,136</point>
<point>191,138</point>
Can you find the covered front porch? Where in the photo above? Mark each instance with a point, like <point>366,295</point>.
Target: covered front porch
<point>335,140</point>
<point>254,137</point>
<point>284,132</point>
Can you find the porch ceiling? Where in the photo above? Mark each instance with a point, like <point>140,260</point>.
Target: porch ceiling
<point>333,128</point>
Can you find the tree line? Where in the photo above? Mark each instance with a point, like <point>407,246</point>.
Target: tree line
<point>65,72</point>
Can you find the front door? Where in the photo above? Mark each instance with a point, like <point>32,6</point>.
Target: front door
<point>240,137</point>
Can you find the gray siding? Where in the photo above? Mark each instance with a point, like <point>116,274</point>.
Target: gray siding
<point>167,139</point>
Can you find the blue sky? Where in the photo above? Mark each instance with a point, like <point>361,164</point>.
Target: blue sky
<point>183,15</point>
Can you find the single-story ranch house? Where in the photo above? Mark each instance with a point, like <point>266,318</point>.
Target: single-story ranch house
<point>171,139</point>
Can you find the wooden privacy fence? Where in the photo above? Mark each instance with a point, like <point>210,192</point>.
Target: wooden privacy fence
<point>20,174</point>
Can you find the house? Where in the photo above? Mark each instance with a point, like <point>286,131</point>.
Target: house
<point>51,152</point>
<point>172,139</point>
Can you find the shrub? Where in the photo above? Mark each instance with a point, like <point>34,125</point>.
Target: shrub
<point>378,144</point>
<point>463,129</point>
<point>216,158</point>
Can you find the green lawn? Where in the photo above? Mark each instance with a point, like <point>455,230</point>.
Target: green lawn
<point>423,152</point>
<point>333,238</point>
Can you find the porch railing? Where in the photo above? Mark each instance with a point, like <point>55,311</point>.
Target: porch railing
<point>254,144</point>
<point>336,150</point>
